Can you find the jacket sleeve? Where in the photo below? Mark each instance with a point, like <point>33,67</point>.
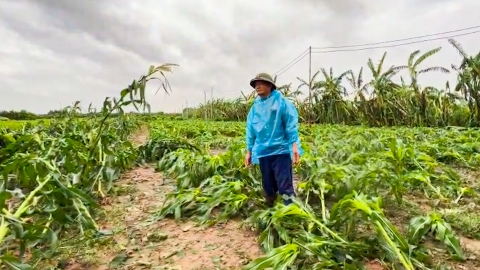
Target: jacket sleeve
<point>250,131</point>
<point>290,119</point>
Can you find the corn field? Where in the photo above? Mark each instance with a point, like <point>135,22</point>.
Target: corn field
<point>360,194</point>
<point>385,100</point>
<point>391,197</point>
<point>53,175</point>
<point>399,197</point>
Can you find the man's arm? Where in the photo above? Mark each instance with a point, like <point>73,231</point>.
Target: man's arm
<point>290,118</point>
<point>250,132</point>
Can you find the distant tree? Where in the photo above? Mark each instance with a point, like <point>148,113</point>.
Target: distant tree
<point>19,115</point>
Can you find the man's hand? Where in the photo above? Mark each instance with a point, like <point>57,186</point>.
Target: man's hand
<point>296,153</point>
<point>248,159</point>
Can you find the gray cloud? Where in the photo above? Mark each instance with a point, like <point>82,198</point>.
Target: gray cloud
<point>344,15</point>
<point>60,51</point>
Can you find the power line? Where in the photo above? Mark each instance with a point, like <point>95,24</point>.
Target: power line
<point>301,55</point>
<point>306,52</point>
<point>397,40</point>
<point>309,50</point>
<point>293,64</point>
<point>397,45</point>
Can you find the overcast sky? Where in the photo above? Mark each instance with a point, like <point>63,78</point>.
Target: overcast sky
<point>54,52</point>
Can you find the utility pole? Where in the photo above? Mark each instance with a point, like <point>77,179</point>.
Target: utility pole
<point>211,103</point>
<point>205,98</point>
<point>310,84</point>
<point>186,108</point>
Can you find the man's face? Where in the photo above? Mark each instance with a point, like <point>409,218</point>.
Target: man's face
<point>263,88</point>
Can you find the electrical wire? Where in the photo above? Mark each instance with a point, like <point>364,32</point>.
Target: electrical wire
<point>339,48</point>
<point>396,45</point>
<point>306,52</point>
<point>397,40</point>
<point>293,61</point>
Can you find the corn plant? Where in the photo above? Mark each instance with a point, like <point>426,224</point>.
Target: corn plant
<point>52,174</point>
<point>338,219</point>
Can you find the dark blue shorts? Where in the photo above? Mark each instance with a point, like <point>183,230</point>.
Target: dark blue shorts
<point>277,176</point>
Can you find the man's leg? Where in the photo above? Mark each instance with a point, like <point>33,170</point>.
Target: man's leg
<point>283,170</point>
<point>268,180</point>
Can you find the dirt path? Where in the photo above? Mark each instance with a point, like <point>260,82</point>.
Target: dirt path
<point>139,243</point>
<point>141,136</point>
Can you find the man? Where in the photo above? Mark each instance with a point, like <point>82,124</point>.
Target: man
<point>272,139</point>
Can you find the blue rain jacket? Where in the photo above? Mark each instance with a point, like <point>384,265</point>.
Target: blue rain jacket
<point>272,127</point>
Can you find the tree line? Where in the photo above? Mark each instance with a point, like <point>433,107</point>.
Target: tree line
<point>385,100</point>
